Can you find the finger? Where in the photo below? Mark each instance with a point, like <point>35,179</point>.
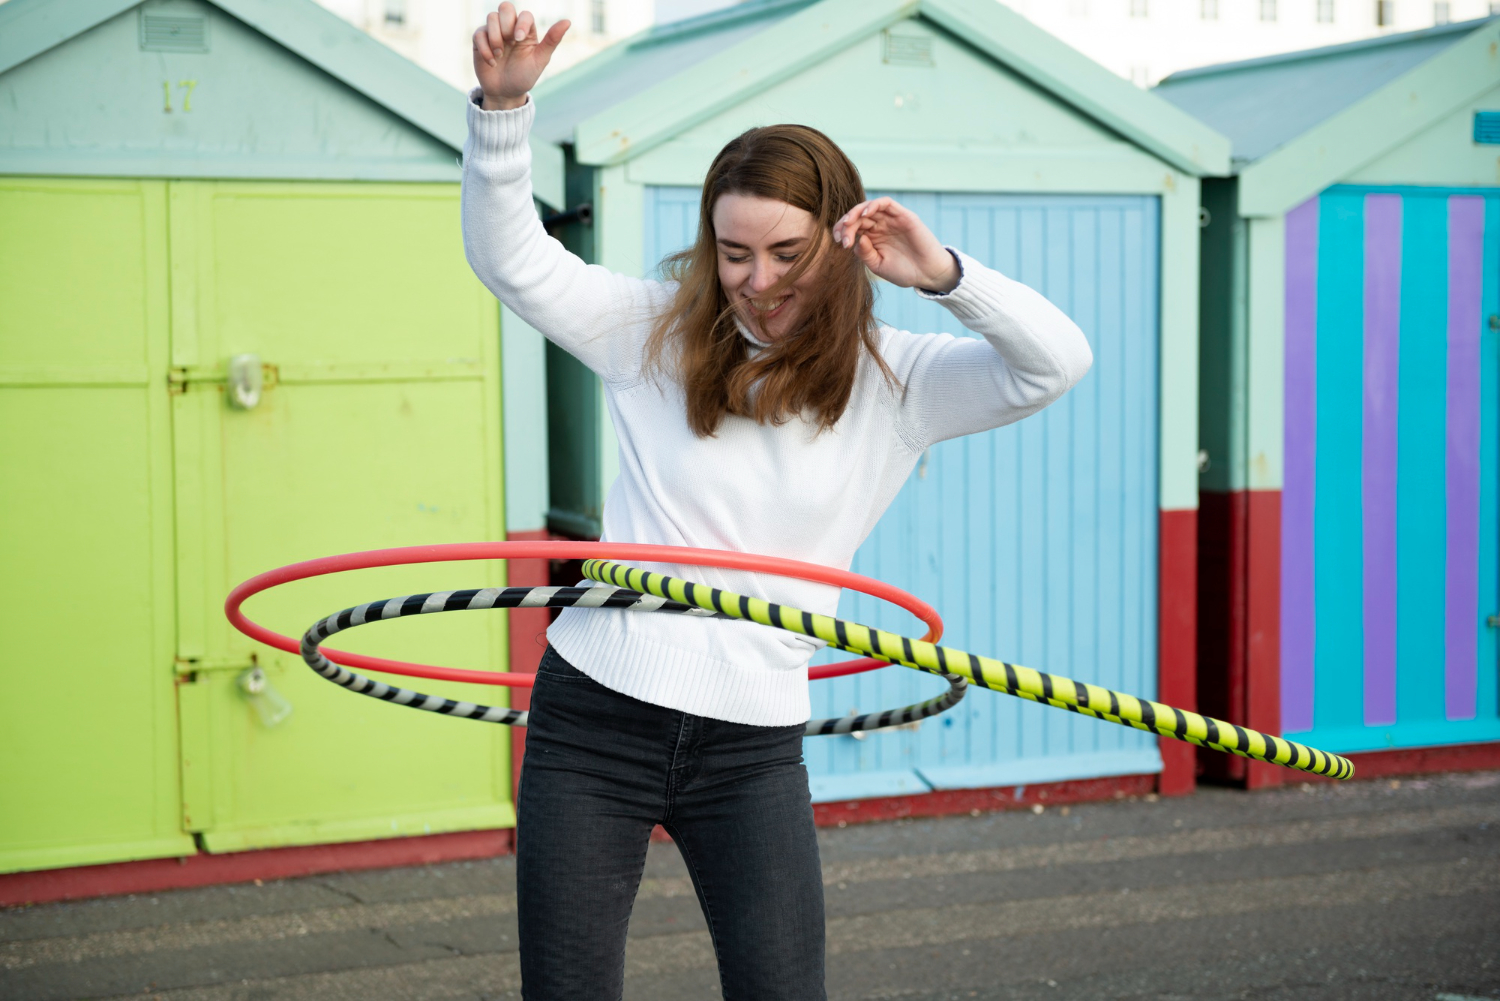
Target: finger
<point>507,21</point>
<point>482,46</point>
<point>554,36</point>
<point>879,204</point>
<point>493,35</point>
<point>525,27</point>
<point>841,229</point>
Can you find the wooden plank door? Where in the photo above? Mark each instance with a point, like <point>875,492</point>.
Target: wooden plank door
<point>1036,542</point>
<point>87,729</point>
<point>379,426</point>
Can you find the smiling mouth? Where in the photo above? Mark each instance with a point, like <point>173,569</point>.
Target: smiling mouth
<point>768,312</point>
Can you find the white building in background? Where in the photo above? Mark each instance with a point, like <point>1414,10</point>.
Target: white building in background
<point>1142,40</point>
<point>437,34</point>
<point>1145,40</point>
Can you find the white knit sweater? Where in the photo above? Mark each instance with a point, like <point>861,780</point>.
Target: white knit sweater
<point>782,491</point>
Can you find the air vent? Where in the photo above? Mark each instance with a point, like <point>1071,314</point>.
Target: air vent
<point>906,50</point>
<point>173,32</point>
<point>1487,127</point>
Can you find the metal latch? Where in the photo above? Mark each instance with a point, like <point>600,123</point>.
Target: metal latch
<point>244,379</point>
<point>1493,621</point>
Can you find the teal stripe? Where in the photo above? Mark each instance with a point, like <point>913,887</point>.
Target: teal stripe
<point>1339,560</point>
<point>1421,477</point>
<point>1488,698</point>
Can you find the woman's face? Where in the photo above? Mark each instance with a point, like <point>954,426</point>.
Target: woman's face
<point>758,241</point>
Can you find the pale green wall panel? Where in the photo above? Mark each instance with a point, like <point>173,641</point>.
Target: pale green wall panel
<point>921,108</point>
<point>1178,416</point>
<point>1266,349</point>
<point>523,367</point>
<point>1391,116</point>
<point>246,108</point>
<point>1444,154</point>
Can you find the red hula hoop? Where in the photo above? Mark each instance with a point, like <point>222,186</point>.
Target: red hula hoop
<point>458,551</point>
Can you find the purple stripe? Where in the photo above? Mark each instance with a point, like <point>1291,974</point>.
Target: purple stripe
<point>1300,436</point>
<point>1465,263</point>
<point>1381,371</point>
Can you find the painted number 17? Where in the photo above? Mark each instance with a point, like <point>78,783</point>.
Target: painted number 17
<point>186,86</point>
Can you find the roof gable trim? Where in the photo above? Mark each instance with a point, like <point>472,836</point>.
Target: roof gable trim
<point>1373,126</point>
<point>811,35</point>
<point>29,28</point>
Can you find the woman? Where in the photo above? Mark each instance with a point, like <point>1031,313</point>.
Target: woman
<point>759,408</point>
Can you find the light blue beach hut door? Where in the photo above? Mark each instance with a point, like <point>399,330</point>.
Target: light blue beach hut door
<point>1036,542</point>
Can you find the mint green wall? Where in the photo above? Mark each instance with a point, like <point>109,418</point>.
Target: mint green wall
<point>1442,154</point>
<point>96,105</point>
<point>870,106</point>
<point>1401,125</point>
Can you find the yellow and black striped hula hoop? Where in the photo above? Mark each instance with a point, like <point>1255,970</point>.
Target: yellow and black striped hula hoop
<point>998,676</point>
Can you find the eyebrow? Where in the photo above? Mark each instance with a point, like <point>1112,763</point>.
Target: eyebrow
<point>778,245</point>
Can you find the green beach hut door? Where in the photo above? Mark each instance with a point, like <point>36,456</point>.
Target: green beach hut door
<point>376,348</point>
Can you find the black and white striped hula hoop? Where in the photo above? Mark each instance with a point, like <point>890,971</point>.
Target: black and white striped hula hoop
<point>600,596</point>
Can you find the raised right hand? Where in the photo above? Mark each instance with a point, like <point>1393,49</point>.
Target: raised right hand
<point>508,57</point>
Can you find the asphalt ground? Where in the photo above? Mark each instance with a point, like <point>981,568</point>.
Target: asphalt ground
<point>1366,890</point>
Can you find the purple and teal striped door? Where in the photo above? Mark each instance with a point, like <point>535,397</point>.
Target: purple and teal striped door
<point>1389,507</point>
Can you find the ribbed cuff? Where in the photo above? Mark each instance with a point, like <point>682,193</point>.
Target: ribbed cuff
<point>499,135</point>
<point>980,292</point>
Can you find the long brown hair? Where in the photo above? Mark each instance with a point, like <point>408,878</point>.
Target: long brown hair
<point>810,371</point>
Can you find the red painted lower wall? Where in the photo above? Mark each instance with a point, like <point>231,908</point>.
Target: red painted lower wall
<point>1239,624</point>
<point>152,875</point>
<point>528,637</point>
<point>1177,630</point>
<point>1416,761</point>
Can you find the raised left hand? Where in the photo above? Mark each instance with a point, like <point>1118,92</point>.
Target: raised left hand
<point>893,242</point>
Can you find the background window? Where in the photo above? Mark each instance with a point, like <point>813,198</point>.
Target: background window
<point>1209,10</point>
<point>395,12</point>
<point>1268,10</point>
<point>1385,13</point>
<point>1325,11</point>
<point>1137,8</point>
<point>1442,13</point>
<point>596,16</point>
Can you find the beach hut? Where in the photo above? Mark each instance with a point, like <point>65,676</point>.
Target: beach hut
<point>196,199</point>
<point>1348,524</point>
<point>1066,542</point>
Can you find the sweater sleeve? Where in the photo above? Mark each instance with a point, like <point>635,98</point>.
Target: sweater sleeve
<point>600,317</point>
<point>1031,354</point>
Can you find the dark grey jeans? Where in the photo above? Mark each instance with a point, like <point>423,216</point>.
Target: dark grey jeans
<point>601,770</point>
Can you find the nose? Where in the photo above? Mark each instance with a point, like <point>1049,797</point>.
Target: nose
<point>764,276</point>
